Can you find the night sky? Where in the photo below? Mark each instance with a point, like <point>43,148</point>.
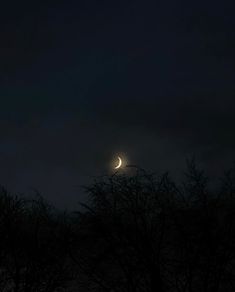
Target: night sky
<point>84,81</point>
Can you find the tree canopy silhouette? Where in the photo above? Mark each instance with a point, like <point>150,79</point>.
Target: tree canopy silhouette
<point>137,232</point>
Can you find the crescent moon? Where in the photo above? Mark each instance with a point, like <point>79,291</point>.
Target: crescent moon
<point>119,163</point>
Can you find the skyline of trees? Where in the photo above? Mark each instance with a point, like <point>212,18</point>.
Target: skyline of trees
<point>138,232</point>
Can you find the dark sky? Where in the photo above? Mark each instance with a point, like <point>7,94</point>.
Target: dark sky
<point>81,81</point>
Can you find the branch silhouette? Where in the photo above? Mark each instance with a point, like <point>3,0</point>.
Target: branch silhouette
<point>136,232</point>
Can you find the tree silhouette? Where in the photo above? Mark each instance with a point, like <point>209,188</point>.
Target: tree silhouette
<point>145,233</point>
<point>138,232</point>
<point>33,245</point>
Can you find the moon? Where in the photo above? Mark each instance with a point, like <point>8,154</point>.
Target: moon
<point>119,163</point>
